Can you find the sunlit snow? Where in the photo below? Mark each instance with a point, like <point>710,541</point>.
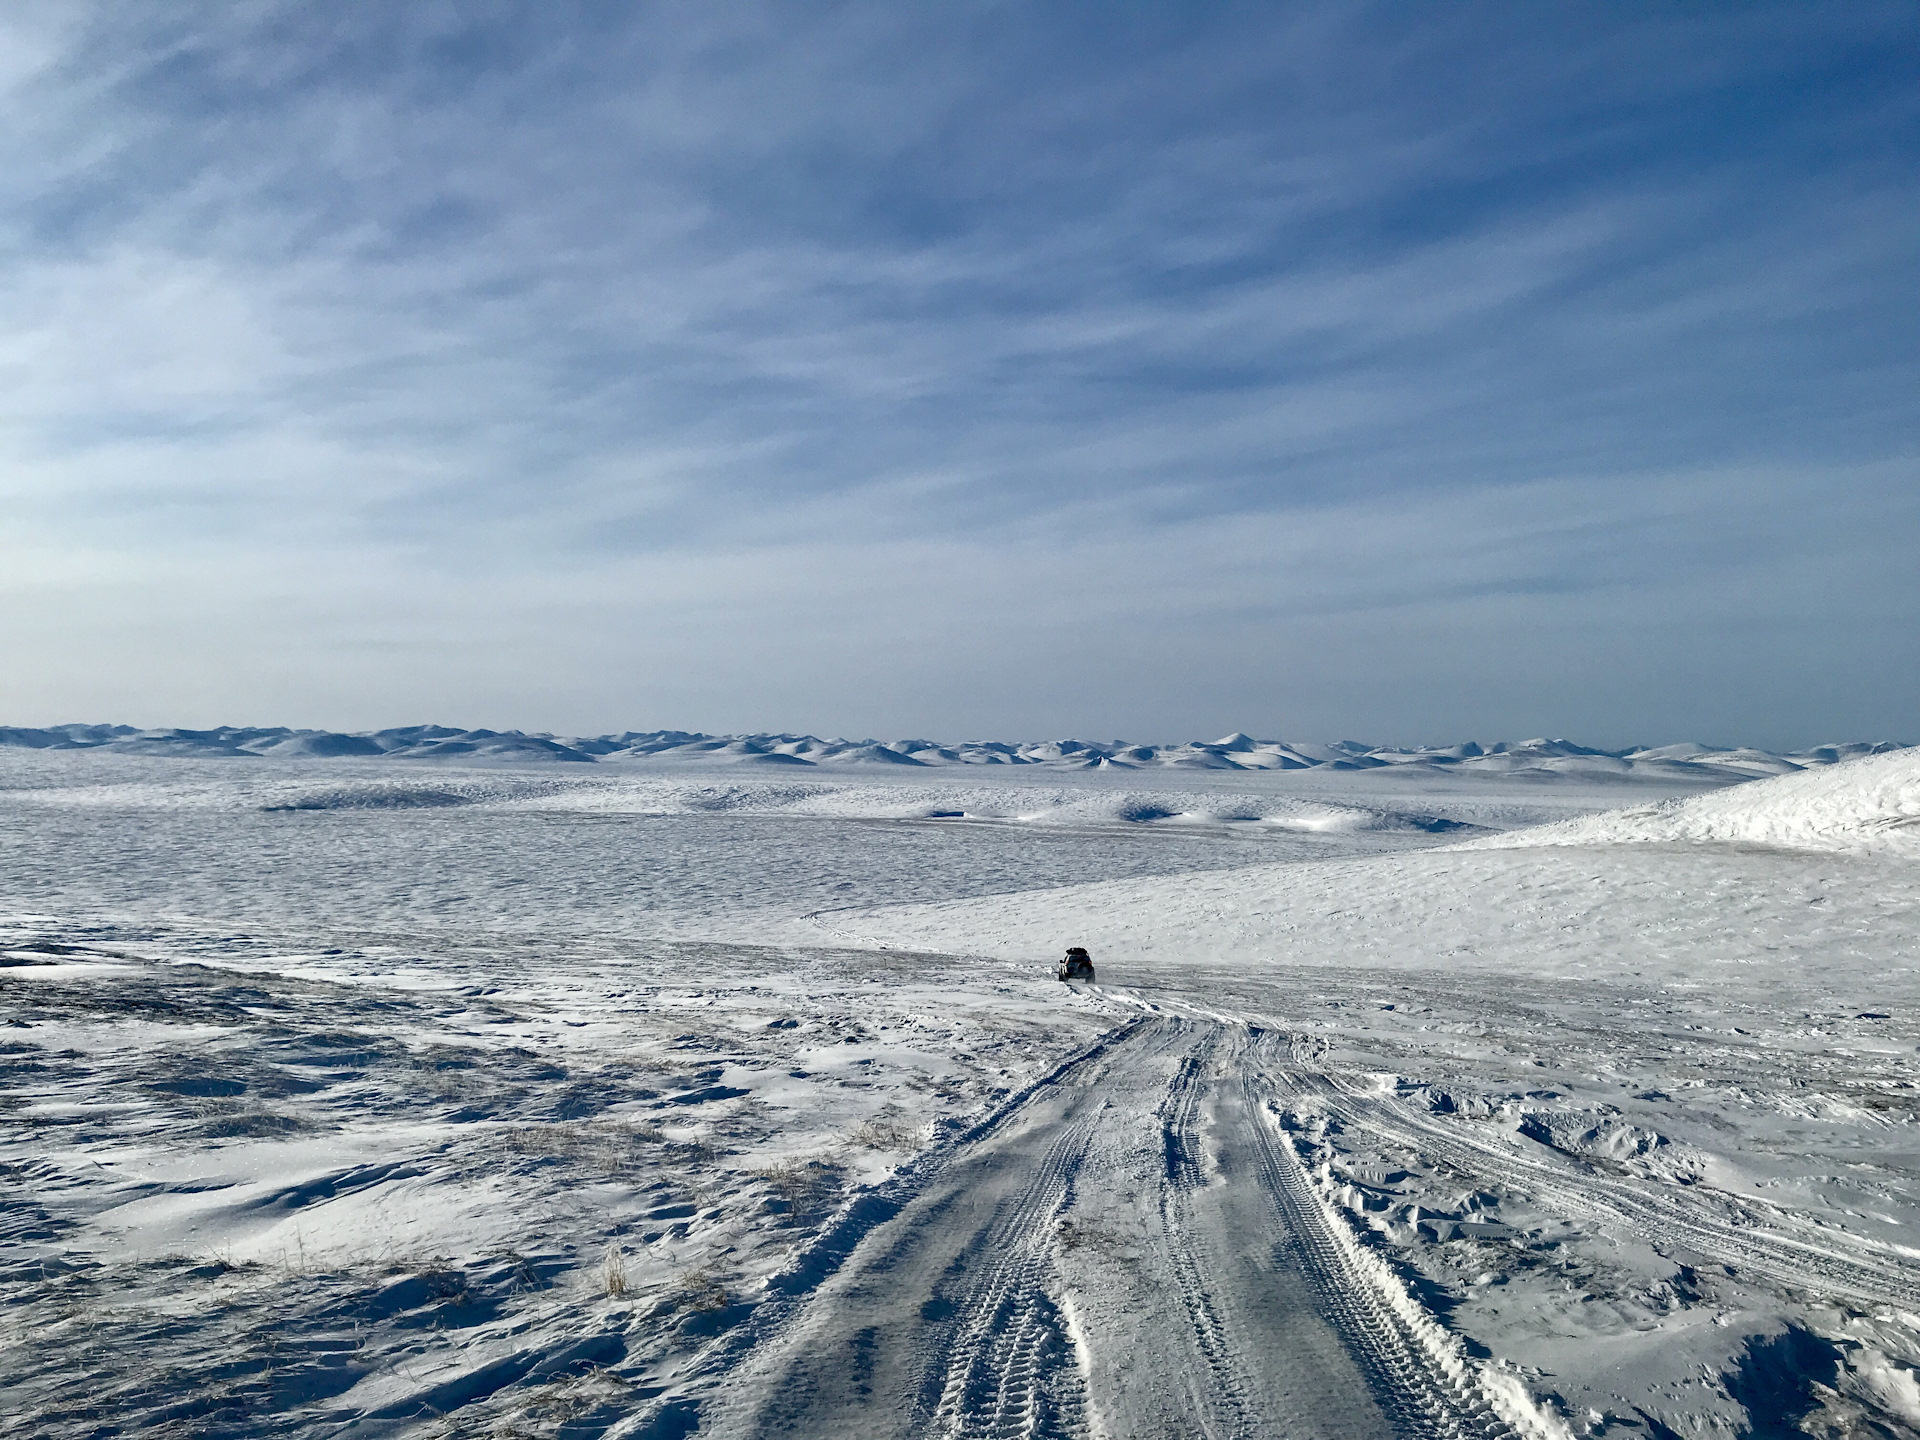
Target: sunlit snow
<point>1541,1092</point>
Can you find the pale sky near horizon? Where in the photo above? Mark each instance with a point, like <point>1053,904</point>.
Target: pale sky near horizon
<point>1413,373</point>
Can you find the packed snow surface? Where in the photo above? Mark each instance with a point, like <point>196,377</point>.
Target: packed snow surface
<point>477,1097</point>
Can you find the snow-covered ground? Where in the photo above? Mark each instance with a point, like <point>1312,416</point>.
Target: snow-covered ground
<point>394,1097</point>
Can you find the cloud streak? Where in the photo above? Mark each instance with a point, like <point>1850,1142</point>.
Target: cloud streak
<point>729,339</point>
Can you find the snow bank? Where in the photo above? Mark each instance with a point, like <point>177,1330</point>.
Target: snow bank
<point>1867,804</point>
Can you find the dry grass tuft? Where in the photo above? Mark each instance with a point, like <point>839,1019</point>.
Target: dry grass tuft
<point>886,1132</point>
<point>616,1149</point>
<point>613,1272</point>
<point>703,1291</point>
<point>802,1188</point>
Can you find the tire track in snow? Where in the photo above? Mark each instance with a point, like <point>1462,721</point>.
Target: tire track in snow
<point>1677,1219</point>
<point>1419,1368</point>
<point>1417,1371</point>
<point>978,1347</point>
<point>1006,1370</point>
<point>1219,1295</point>
<point>1180,1144</point>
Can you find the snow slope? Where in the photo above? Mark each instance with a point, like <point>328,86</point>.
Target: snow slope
<point>1534,897</point>
<point>1868,805</point>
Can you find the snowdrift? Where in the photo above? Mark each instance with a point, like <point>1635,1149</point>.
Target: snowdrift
<point>1866,804</point>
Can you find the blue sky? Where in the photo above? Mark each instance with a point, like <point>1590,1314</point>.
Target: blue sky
<point>1407,372</point>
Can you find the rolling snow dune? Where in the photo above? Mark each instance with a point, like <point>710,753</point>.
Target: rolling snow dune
<point>1056,805</point>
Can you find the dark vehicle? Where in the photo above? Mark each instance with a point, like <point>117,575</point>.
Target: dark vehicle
<point>1077,965</point>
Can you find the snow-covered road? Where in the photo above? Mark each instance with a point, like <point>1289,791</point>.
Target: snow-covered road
<point>1137,1250</point>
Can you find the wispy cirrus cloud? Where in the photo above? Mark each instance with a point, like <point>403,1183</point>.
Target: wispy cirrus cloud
<point>356,312</point>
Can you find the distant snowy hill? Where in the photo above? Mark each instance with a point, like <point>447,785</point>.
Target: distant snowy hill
<point>1538,759</point>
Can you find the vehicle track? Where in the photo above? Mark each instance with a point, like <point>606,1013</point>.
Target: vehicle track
<point>944,1319</point>
<point>1405,1352</point>
<point>1135,1251</point>
<point>1005,1369</point>
<point>1229,1388</point>
<point>1675,1217</point>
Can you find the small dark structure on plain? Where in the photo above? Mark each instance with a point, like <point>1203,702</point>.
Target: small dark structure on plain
<point>1077,964</point>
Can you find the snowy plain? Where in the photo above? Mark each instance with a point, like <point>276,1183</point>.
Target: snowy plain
<point>1568,1095</point>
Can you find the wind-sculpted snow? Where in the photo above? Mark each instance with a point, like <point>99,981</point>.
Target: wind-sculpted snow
<point>1286,810</point>
<point>1538,759</point>
<point>322,843</point>
<point>369,797</point>
<point>1871,803</point>
<point>1056,805</point>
